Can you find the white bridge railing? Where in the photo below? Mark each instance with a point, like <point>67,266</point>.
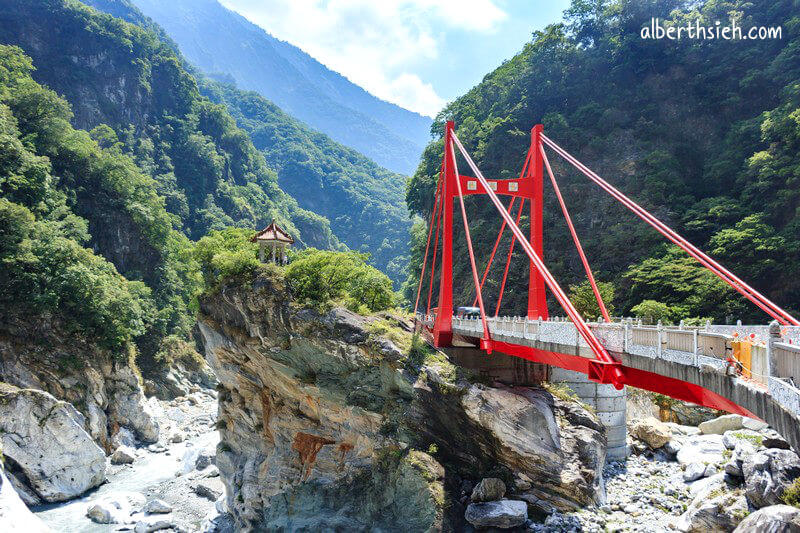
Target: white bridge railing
<point>706,345</point>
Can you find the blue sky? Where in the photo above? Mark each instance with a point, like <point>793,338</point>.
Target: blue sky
<point>419,54</point>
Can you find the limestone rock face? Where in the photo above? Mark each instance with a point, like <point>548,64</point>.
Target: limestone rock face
<point>337,421</point>
<point>768,473</point>
<point>14,514</point>
<point>104,389</point>
<point>772,519</point>
<point>45,446</point>
<point>488,490</point>
<point>721,424</point>
<point>652,432</point>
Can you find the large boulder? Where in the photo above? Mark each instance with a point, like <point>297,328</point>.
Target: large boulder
<point>721,424</point>
<point>488,490</point>
<point>45,442</point>
<point>128,406</point>
<point>772,519</point>
<point>701,449</point>
<point>652,432</point>
<point>102,386</point>
<point>14,514</point>
<point>767,474</point>
<point>715,508</point>
<point>502,514</point>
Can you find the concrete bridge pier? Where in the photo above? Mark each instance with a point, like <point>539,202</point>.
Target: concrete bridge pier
<point>608,402</point>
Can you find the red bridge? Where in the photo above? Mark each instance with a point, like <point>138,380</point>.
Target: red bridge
<point>706,366</point>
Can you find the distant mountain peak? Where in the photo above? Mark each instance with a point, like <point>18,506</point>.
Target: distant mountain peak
<point>220,41</point>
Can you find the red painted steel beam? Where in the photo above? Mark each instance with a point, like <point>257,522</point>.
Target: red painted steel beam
<point>641,379</point>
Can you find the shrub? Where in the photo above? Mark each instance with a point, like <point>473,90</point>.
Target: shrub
<point>225,254</point>
<point>652,311</point>
<point>321,278</point>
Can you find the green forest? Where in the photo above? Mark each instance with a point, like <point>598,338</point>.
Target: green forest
<point>115,171</point>
<point>363,201</point>
<point>702,133</point>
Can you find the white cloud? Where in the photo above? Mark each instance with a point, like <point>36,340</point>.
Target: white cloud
<point>374,43</point>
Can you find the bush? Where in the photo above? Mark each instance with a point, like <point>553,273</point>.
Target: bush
<point>582,297</point>
<point>652,311</point>
<point>791,495</point>
<point>321,278</point>
<point>226,254</point>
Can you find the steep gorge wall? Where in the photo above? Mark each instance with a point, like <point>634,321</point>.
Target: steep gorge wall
<point>334,420</point>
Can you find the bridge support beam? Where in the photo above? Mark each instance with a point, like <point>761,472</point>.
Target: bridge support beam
<point>608,402</point>
<point>537,300</point>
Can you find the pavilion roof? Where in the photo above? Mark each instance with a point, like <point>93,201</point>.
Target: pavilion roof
<point>273,233</point>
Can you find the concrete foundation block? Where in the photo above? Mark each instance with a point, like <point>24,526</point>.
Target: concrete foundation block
<point>613,418</point>
<point>610,404</point>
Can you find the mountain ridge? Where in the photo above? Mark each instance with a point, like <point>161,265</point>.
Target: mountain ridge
<point>305,88</point>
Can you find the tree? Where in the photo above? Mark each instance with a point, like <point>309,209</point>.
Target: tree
<point>582,297</point>
<point>653,312</point>
<point>322,278</point>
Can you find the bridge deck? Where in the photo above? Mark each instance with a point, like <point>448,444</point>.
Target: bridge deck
<point>688,364</point>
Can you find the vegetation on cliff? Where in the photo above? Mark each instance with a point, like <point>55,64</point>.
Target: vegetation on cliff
<point>703,133</point>
<point>318,278</point>
<point>51,177</point>
<point>363,201</point>
<point>127,77</point>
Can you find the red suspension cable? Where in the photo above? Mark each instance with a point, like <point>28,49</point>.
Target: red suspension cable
<point>740,286</point>
<point>469,247</point>
<point>428,244</point>
<point>598,349</point>
<point>577,241</point>
<point>508,261</point>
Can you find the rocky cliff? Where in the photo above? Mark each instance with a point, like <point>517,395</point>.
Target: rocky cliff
<point>334,420</point>
<point>101,385</point>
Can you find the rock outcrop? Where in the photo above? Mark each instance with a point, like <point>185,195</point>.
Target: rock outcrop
<point>101,385</point>
<point>330,420</point>
<point>49,456</point>
<point>772,519</point>
<point>768,473</point>
<point>14,514</point>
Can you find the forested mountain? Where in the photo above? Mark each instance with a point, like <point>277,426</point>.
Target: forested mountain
<point>219,41</point>
<point>127,78</point>
<point>703,133</point>
<point>363,201</point>
<point>73,216</point>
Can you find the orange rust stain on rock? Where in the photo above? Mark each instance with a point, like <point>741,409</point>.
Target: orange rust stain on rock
<point>308,446</point>
<point>343,449</point>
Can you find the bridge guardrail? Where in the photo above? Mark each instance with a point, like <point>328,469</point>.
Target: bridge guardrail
<point>787,359</point>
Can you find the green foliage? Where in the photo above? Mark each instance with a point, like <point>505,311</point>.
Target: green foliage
<point>683,285</point>
<point>363,201</point>
<point>320,277</point>
<point>703,134</point>
<point>63,190</point>
<point>653,312</point>
<point>226,254</point>
<point>207,171</point>
<point>791,494</point>
<point>582,297</point>
<point>44,272</point>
